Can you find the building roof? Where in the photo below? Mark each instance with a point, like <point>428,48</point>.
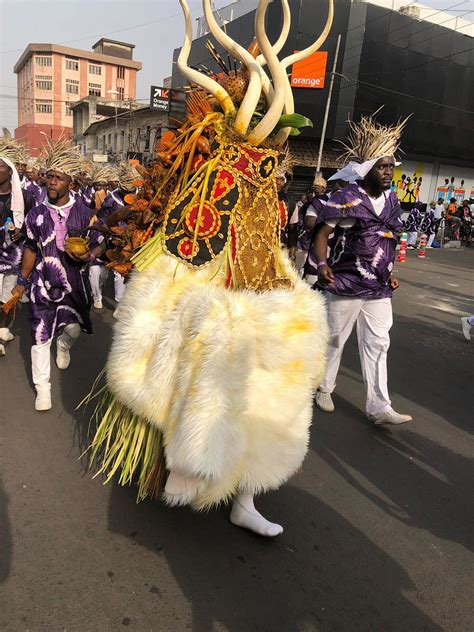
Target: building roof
<point>32,49</point>
<point>111,41</point>
<point>111,119</point>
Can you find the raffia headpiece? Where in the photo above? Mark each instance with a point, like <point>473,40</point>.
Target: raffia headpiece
<point>13,150</point>
<point>61,156</point>
<point>368,139</point>
<point>126,175</point>
<point>101,173</point>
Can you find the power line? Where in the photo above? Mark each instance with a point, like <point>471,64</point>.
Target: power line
<point>129,28</point>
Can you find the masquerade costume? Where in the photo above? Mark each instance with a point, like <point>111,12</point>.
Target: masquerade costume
<point>219,345</point>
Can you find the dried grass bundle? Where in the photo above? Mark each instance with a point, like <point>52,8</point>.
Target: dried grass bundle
<point>368,139</point>
<point>13,150</point>
<point>126,175</point>
<point>61,156</point>
<point>286,162</point>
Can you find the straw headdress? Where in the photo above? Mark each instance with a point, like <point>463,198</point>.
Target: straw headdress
<point>61,156</point>
<point>369,140</point>
<point>13,150</point>
<point>101,173</point>
<point>126,175</point>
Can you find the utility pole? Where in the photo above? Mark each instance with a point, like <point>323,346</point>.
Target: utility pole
<point>328,103</point>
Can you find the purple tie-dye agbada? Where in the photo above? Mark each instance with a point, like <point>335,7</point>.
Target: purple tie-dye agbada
<point>11,254</point>
<point>60,292</point>
<point>361,256</point>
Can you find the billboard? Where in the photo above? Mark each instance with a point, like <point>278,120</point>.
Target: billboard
<point>159,98</point>
<point>310,72</point>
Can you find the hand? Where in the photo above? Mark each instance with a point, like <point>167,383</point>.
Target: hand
<point>325,275</point>
<point>16,235</point>
<point>80,258</point>
<point>18,290</point>
<point>292,253</point>
<point>394,283</point>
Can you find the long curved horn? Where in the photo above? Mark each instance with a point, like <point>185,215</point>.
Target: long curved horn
<point>285,29</point>
<point>277,46</point>
<point>302,54</point>
<point>195,76</point>
<point>283,134</point>
<point>280,79</point>
<point>254,90</point>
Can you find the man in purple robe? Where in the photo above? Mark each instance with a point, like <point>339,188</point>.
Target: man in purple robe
<point>113,202</point>
<point>60,297</point>
<point>412,224</point>
<point>355,251</point>
<point>37,186</point>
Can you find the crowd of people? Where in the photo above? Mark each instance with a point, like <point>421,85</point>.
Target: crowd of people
<point>440,221</point>
<point>43,204</point>
<point>57,237</point>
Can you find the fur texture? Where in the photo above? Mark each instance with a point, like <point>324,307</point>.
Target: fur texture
<point>227,376</point>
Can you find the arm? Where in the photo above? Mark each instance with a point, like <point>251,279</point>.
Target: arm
<point>27,266</point>
<point>320,247</point>
<point>309,223</point>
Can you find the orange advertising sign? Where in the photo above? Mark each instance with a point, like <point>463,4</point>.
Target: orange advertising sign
<point>310,72</point>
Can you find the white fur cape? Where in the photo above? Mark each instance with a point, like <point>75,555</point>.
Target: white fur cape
<point>227,376</point>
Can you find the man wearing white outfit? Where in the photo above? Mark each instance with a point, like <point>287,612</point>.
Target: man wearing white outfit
<point>355,250</point>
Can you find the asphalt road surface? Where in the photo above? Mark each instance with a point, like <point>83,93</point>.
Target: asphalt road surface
<point>378,524</point>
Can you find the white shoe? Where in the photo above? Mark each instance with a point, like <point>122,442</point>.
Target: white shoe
<point>43,397</point>
<point>466,328</point>
<point>116,313</point>
<point>324,402</point>
<point>2,350</point>
<point>63,357</point>
<point>5,334</point>
<point>97,303</point>
<point>389,417</point>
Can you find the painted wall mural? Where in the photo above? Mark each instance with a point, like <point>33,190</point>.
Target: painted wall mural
<point>416,182</point>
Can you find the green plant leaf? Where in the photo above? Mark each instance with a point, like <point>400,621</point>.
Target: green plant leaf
<point>294,120</point>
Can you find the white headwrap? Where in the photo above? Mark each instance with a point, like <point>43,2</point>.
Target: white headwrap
<point>17,203</point>
<point>356,170</point>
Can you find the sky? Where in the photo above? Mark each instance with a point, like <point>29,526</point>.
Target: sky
<point>155,27</point>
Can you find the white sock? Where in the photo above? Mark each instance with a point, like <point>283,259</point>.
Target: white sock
<point>245,515</point>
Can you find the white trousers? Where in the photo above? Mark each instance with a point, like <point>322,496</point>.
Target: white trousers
<point>430,240</point>
<point>412,237</point>
<point>7,283</point>
<point>98,275</point>
<point>41,354</point>
<point>374,319</point>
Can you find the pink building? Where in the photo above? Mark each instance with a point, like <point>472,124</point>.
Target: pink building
<point>51,77</point>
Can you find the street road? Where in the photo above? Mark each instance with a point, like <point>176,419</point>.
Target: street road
<point>378,524</point>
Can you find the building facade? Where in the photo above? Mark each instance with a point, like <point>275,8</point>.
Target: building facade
<point>133,133</point>
<point>52,77</point>
<point>391,59</point>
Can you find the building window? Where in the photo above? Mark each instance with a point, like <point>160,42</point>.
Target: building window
<point>95,69</point>
<point>72,63</point>
<point>43,82</point>
<point>120,72</point>
<point>44,60</point>
<point>72,86</point>
<point>68,109</point>
<point>121,93</point>
<point>44,106</point>
<point>95,90</point>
